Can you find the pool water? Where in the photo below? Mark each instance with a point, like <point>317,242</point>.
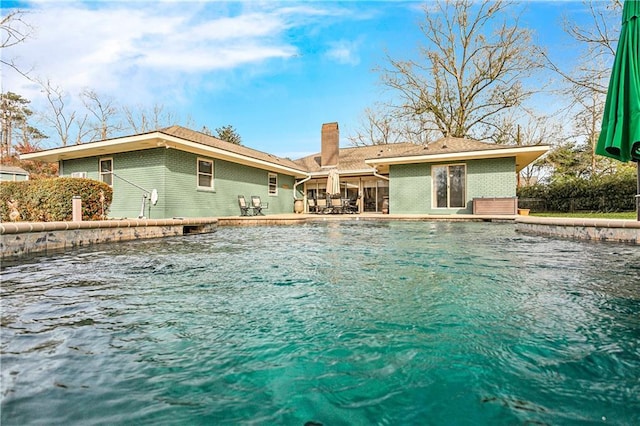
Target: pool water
<point>354,323</point>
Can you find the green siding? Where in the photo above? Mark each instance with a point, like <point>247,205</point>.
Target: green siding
<point>142,168</point>
<point>173,174</point>
<point>410,185</point>
<point>409,188</point>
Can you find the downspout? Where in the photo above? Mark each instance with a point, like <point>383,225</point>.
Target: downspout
<point>298,183</point>
<point>375,173</point>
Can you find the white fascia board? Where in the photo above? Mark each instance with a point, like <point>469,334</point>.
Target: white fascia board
<point>91,148</point>
<point>532,151</point>
<point>152,140</point>
<point>342,173</point>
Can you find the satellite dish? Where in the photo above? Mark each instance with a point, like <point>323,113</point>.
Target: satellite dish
<point>154,196</point>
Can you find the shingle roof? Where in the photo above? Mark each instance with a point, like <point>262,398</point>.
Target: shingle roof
<point>13,169</point>
<point>447,145</point>
<point>204,139</point>
<point>352,159</point>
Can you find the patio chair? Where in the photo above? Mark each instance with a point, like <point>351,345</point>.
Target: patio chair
<point>351,205</point>
<point>244,207</point>
<point>257,205</point>
<point>336,205</point>
<point>321,206</point>
<point>312,205</point>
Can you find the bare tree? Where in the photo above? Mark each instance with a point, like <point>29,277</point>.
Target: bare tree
<point>59,118</point>
<point>526,128</point>
<point>104,110</point>
<point>470,71</point>
<point>586,84</point>
<point>598,44</point>
<point>376,128</point>
<point>141,119</point>
<point>14,29</point>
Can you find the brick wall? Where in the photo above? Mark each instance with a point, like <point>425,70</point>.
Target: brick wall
<point>411,187</point>
<point>173,174</point>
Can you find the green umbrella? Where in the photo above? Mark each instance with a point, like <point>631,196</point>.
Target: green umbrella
<point>620,135</point>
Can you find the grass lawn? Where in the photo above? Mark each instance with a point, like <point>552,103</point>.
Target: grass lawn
<point>590,215</point>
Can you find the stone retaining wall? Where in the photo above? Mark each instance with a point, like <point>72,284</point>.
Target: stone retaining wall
<point>21,238</point>
<point>620,231</point>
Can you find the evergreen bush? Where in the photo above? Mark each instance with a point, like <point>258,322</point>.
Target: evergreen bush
<point>608,193</point>
<point>49,200</point>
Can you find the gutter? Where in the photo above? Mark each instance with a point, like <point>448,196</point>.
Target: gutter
<point>375,173</point>
<point>295,185</point>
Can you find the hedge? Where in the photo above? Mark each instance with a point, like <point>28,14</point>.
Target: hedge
<point>608,193</point>
<point>49,200</point>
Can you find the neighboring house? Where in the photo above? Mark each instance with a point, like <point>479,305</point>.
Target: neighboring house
<point>199,175</point>
<point>12,174</point>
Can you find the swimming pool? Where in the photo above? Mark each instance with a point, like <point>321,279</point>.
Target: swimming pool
<point>339,323</point>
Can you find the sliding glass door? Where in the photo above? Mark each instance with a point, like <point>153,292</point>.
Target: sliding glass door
<point>449,185</point>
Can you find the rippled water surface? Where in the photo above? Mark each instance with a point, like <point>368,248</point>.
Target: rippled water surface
<point>338,323</point>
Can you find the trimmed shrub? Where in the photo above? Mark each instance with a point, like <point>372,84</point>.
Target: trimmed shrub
<point>610,193</point>
<point>49,200</point>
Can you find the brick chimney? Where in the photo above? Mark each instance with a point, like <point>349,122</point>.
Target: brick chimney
<point>330,145</point>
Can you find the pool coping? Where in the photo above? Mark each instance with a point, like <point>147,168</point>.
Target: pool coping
<point>21,238</point>
<point>607,230</point>
<point>18,239</point>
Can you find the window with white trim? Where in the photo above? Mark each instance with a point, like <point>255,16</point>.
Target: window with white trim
<point>273,184</point>
<point>205,173</point>
<point>449,185</point>
<point>106,170</point>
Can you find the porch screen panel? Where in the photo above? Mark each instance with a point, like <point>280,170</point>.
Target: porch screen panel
<point>457,186</point>
<point>383,191</point>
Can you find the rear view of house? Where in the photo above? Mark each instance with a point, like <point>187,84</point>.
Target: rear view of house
<point>197,175</point>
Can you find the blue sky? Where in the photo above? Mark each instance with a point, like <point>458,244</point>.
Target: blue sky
<point>274,70</point>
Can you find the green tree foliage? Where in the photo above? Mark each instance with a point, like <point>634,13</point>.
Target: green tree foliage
<point>50,200</point>
<point>229,134</point>
<point>14,113</point>
<point>569,161</point>
<point>607,193</point>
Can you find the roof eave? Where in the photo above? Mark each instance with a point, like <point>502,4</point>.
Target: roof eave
<point>523,155</point>
<point>149,141</point>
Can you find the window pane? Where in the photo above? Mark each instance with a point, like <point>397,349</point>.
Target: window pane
<point>105,166</point>
<point>205,167</point>
<point>204,180</point>
<point>440,184</point>
<point>273,184</point>
<point>457,183</point>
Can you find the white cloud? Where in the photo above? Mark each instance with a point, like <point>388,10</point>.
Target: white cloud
<point>344,52</point>
<point>130,47</point>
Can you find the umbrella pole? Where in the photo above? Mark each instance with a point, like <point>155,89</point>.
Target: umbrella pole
<point>638,192</point>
